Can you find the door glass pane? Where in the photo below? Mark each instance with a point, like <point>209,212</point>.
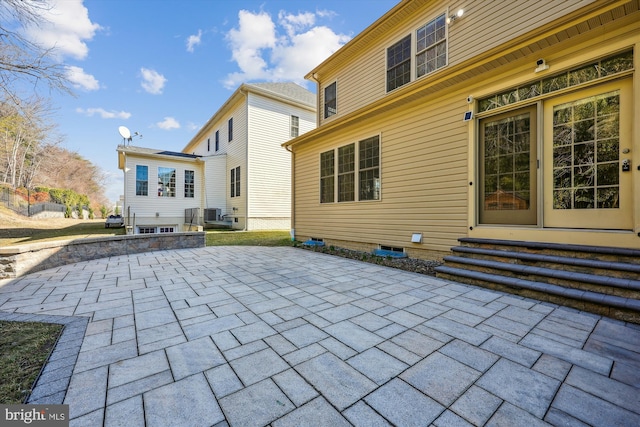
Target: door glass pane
<point>586,153</point>
<point>507,145</point>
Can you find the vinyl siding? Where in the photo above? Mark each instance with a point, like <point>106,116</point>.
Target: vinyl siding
<point>236,156</point>
<point>216,188</point>
<point>170,209</point>
<point>269,164</point>
<point>484,26</point>
<point>423,181</point>
<point>428,154</point>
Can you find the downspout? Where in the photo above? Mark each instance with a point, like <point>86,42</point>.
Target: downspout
<point>293,193</point>
<point>246,159</point>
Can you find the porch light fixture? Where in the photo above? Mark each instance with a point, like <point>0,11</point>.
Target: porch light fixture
<point>455,16</point>
<point>541,65</point>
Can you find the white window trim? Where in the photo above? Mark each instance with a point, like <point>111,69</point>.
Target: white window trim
<point>356,172</point>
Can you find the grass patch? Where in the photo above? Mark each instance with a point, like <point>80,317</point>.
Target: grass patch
<point>248,238</point>
<point>24,348</point>
<point>79,229</point>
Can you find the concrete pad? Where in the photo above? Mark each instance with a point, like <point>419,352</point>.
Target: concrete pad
<point>256,405</point>
<point>193,357</point>
<point>522,387</point>
<point>403,405</point>
<point>187,402</point>
<point>317,413</point>
<point>441,377</point>
<point>339,383</point>
<point>257,366</point>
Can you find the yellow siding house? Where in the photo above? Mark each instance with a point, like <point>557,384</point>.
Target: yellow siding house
<point>511,121</point>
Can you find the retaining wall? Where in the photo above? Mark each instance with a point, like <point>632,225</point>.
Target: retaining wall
<point>16,261</point>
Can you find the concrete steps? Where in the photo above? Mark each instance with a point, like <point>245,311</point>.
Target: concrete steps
<point>592,278</point>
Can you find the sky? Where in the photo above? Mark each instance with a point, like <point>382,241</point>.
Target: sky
<point>162,68</point>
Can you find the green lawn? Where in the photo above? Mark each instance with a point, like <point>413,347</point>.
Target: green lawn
<point>24,347</point>
<point>248,238</point>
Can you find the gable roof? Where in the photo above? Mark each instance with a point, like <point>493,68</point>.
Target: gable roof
<point>287,92</point>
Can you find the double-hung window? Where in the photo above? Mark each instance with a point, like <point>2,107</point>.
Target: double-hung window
<point>358,172</point>
<point>431,46</point>
<point>166,182</point>
<point>327,177</point>
<point>369,169</point>
<point>235,182</point>
<point>346,173</point>
<point>430,52</point>
<point>399,64</point>
<point>189,184</point>
<point>295,126</point>
<point>142,180</point>
<point>330,100</point>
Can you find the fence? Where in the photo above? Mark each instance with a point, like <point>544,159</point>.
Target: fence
<point>16,202</point>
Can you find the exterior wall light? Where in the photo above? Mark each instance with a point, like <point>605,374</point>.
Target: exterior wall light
<point>455,16</point>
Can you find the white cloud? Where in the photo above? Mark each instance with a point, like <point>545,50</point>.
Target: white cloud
<point>168,123</point>
<point>283,52</point>
<point>194,40</point>
<point>67,28</point>
<point>152,81</point>
<point>90,112</point>
<point>82,80</point>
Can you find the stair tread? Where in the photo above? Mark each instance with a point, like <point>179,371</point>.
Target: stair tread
<point>590,296</point>
<point>580,262</point>
<point>548,272</point>
<point>557,246</point>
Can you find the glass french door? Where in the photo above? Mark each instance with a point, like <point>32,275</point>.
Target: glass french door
<point>508,168</point>
<point>587,158</point>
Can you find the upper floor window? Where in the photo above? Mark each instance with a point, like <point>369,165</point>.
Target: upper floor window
<point>330,100</point>
<point>217,140</point>
<point>399,64</point>
<point>208,144</point>
<point>295,126</point>
<point>189,183</point>
<point>230,126</point>
<point>431,46</point>
<point>142,180</point>
<point>235,182</point>
<point>166,182</point>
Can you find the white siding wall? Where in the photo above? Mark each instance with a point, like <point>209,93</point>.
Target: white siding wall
<point>216,183</point>
<point>236,156</point>
<point>170,209</point>
<point>269,170</point>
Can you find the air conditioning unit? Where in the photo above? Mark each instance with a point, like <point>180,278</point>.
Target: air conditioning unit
<point>213,214</point>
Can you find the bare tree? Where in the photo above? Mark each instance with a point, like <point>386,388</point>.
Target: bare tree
<point>21,61</point>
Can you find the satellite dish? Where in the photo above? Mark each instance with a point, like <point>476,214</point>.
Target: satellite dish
<point>125,132</point>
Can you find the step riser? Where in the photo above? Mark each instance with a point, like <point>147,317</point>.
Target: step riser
<point>555,266</point>
<point>613,312</point>
<point>608,290</point>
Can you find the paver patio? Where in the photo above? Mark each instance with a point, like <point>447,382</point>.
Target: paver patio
<point>254,336</point>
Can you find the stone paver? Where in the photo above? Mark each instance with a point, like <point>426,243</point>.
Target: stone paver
<point>254,336</point>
